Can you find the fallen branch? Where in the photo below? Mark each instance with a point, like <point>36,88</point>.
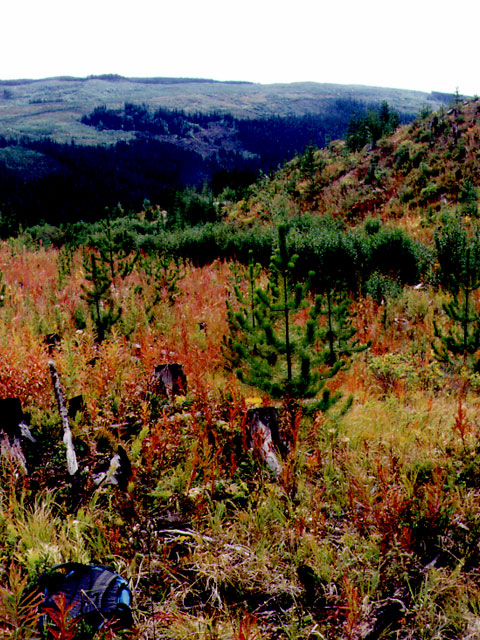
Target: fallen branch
<point>72,464</point>
<point>199,538</point>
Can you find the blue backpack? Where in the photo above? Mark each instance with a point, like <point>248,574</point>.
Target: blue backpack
<point>97,595</point>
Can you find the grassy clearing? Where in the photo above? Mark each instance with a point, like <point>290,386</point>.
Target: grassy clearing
<point>372,530</point>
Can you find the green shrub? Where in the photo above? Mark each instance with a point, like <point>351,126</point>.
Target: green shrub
<point>430,192</point>
<point>335,256</point>
<point>47,235</point>
<point>402,157</point>
<point>394,253</point>
<point>468,197</point>
<point>372,226</point>
<point>391,368</point>
<point>425,136</point>
<point>406,195</point>
<point>379,286</point>
<point>457,254</point>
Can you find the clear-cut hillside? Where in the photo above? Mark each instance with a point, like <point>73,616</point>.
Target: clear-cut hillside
<point>53,106</point>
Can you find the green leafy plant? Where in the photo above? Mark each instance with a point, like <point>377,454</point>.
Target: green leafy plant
<point>18,608</point>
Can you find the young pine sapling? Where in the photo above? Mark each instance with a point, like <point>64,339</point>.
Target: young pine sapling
<point>103,309</point>
<point>459,257</point>
<point>272,350</point>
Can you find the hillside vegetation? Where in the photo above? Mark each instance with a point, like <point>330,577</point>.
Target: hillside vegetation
<point>69,147</point>
<point>342,291</point>
<point>408,177</point>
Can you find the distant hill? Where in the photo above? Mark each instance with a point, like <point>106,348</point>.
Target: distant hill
<point>54,106</point>
<point>69,147</point>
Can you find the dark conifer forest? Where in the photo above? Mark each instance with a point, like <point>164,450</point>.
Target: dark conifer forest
<point>41,179</point>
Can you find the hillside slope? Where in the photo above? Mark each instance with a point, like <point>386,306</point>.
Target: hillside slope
<point>410,176</point>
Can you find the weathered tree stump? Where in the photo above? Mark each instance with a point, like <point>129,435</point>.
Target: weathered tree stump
<point>14,432</point>
<point>53,341</point>
<point>117,471</point>
<point>168,380</point>
<point>11,415</point>
<point>75,405</point>
<point>263,436</point>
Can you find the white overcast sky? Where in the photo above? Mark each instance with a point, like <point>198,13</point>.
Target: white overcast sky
<point>429,45</point>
